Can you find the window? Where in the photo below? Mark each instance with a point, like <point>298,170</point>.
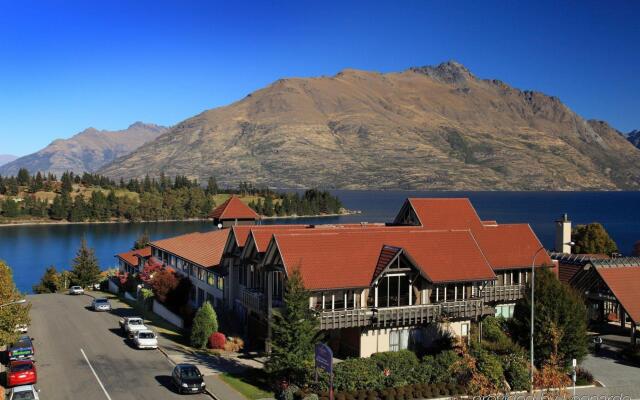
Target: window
<point>398,340</point>
<point>220,283</point>
<point>338,302</point>
<point>464,330</point>
<point>211,279</point>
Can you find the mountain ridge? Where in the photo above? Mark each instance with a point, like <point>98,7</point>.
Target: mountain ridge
<point>85,151</point>
<point>438,128</point>
<point>7,158</point>
<point>634,137</point>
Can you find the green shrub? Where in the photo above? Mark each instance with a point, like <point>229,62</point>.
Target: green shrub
<point>443,366</point>
<point>404,367</point>
<point>357,373</point>
<point>516,371</point>
<point>490,366</point>
<point>204,324</point>
<point>583,376</point>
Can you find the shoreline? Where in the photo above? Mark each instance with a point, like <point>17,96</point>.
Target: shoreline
<point>49,222</point>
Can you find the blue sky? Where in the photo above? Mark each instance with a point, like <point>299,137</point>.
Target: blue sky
<point>67,65</point>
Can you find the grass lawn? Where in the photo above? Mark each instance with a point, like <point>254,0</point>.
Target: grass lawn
<point>253,383</point>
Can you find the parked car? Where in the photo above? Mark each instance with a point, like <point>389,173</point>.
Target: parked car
<point>25,392</point>
<point>188,379</point>
<point>22,328</point>
<point>129,325</point>
<point>21,372</point>
<point>145,339</point>
<point>76,290</point>
<point>101,304</point>
<point>21,349</point>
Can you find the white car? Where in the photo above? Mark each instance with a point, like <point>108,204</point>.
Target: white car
<point>145,339</point>
<point>101,304</point>
<point>76,290</point>
<point>24,392</point>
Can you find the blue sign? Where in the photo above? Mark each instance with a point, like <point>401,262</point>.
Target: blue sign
<point>324,358</point>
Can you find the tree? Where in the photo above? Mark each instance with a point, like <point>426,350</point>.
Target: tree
<point>12,315</point>
<point>85,271</point>
<point>294,334</point>
<point>204,324</point>
<point>142,241</point>
<point>558,310</point>
<point>162,283</point>
<point>23,177</point>
<point>593,239</point>
<point>49,283</point>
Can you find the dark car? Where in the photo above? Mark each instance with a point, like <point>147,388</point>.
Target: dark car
<point>188,379</point>
<point>21,349</point>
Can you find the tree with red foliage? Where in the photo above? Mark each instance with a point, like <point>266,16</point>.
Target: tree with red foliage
<point>163,283</point>
<point>149,270</point>
<point>217,341</point>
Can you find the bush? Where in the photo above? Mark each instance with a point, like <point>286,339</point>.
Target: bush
<point>443,366</point>
<point>490,366</point>
<point>204,324</point>
<point>234,344</point>
<point>357,373</point>
<point>404,367</point>
<point>516,371</point>
<point>583,376</point>
<point>217,341</point>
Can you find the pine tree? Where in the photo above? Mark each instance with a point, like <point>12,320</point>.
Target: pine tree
<point>593,239</point>
<point>204,324</point>
<point>294,334</point>
<point>12,315</point>
<point>85,271</point>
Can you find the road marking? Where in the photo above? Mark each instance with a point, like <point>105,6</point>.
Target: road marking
<point>96,375</point>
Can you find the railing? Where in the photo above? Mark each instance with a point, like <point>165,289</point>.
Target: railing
<point>402,316</point>
<point>503,293</point>
<point>252,299</point>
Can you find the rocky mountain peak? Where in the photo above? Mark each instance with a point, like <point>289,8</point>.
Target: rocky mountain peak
<point>634,137</point>
<point>451,72</point>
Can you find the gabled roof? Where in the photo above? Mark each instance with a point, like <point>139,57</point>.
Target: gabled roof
<point>204,249</point>
<point>624,283</point>
<point>445,213</point>
<point>131,257</point>
<point>232,209</point>
<point>241,232</point>
<point>350,259</point>
<point>510,246</point>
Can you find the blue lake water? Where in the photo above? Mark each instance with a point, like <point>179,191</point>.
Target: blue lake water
<point>29,250</point>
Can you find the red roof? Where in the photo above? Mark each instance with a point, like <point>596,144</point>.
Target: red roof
<point>349,259</point>
<point>131,257</point>
<point>204,249</point>
<point>511,246</point>
<point>234,208</point>
<point>241,232</point>
<point>624,282</point>
<point>445,213</point>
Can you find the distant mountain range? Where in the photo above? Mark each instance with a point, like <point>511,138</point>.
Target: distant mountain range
<point>434,127</point>
<point>634,137</point>
<point>6,158</point>
<point>86,151</point>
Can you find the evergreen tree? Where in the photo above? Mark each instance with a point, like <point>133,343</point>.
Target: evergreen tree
<point>23,177</point>
<point>85,271</point>
<point>12,315</point>
<point>67,182</point>
<point>79,210</point>
<point>268,209</point>
<point>294,334</point>
<point>212,186</point>
<point>593,239</point>
<point>205,323</point>
<point>10,208</point>
<point>557,306</point>
<point>49,283</point>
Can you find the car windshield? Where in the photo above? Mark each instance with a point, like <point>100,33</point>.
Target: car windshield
<point>101,301</point>
<point>146,335</point>
<point>23,396</point>
<point>135,322</point>
<point>21,367</point>
<point>190,372</point>
<point>76,287</point>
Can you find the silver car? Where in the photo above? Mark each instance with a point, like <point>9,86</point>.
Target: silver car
<point>101,304</point>
<point>24,392</point>
<point>76,290</point>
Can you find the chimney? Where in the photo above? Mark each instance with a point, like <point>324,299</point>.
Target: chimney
<point>563,234</point>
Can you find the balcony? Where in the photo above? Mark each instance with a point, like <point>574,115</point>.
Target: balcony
<point>402,316</point>
<point>252,300</point>
<point>502,293</point>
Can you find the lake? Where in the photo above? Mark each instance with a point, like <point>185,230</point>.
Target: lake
<point>29,250</point>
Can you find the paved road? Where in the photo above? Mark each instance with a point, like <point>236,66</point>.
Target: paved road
<point>81,355</point>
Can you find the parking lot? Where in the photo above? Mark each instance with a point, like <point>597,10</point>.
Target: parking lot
<point>80,354</point>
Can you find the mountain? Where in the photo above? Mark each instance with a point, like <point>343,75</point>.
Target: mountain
<point>86,151</point>
<point>423,128</point>
<point>6,158</point>
<point>634,137</point>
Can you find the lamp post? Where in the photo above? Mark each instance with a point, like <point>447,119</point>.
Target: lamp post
<point>21,301</point>
<point>533,276</point>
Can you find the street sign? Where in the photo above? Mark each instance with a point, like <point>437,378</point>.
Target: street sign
<point>324,358</point>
